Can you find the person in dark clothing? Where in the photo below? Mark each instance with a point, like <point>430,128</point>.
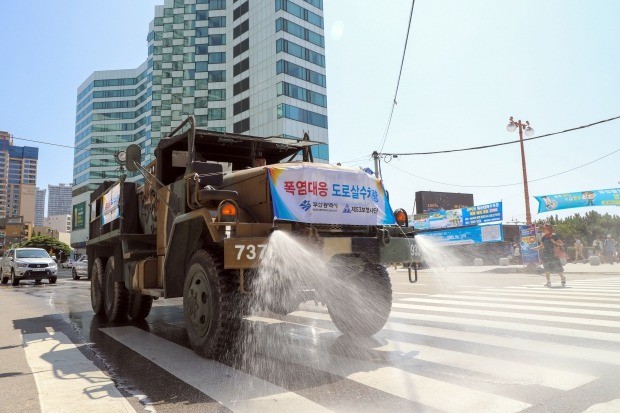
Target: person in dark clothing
<point>551,263</point>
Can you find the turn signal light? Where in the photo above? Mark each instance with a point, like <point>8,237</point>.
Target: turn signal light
<point>401,217</point>
<point>228,210</point>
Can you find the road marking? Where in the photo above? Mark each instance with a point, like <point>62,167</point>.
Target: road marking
<point>234,389</point>
<point>513,315</point>
<point>587,301</point>
<point>568,290</point>
<point>65,377</point>
<point>504,325</point>
<point>520,300</point>
<point>583,311</point>
<point>612,406</point>
<point>420,389</point>
<point>557,292</point>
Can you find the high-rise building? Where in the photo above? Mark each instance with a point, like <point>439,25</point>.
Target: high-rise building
<point>59,223</point>
<point>238,66</point>
<point>39,208</point>
<point>18,176</point>
<point>59,199</point>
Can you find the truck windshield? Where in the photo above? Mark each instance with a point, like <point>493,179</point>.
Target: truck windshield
<point>31,254</point>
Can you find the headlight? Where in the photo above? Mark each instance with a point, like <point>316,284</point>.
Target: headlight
<point>53,265</point>
<point>401,217</point>
<point>21,264</point>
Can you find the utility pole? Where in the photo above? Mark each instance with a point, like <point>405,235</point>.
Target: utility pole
<point>529,131</point>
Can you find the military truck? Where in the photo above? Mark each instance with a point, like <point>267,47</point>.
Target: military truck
<point>198,224</point>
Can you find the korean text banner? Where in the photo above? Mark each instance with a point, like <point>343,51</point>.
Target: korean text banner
<point>328,195</point>
<point>479,214</point>
<point>599,197</point>
<point>528,242</point>
<point>469,235</point>
<point>109,203</point>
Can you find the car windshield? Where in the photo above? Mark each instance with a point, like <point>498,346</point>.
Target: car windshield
<point>83,258</point>
<point>31,254</point>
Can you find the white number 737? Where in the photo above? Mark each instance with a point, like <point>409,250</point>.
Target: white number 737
<point>251,251</point>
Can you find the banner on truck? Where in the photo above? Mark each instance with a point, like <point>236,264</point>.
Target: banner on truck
<point>598,197</point>
<point>528,242</point>
<point>461,217</point>
<point>110,205</point>
<point>328,195</point>
<point>468,235</point>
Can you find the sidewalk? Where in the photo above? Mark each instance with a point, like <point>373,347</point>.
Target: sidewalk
<point>512,269</point>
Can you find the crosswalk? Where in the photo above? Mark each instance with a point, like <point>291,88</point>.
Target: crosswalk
<point>510,349</point>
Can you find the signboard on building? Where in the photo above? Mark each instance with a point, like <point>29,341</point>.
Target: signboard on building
<point>328,196</point>
<point>528,242</point>
<point>474,215</point>
<point>110,204</point>
<point>79,216</point>
<point>598,197</point>
<point>429,201</point>
<point>467,235</point>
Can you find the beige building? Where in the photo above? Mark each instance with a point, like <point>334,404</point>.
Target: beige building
<point>18,176</point>
<point>60,223</point>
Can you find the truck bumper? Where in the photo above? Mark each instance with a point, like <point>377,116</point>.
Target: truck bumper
<point>241,253</point>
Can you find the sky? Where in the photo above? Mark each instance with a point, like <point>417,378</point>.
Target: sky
<point>469,66</point>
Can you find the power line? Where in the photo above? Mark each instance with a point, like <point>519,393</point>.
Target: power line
<point>400,72</point>
<point>44,143</point>
<point>472,148</point>
<point>505,185</point>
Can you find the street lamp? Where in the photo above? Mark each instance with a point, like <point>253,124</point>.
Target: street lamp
<point>511,127</point>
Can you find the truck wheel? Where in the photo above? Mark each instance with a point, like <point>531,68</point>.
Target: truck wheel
<point>211,304</point>
<point>366,308</point>
<point>115,296</point>
<point>14,279</point>
<point>4,278</point>
<point>139,306</point>
<point>74,274</point>
<point>96,287</point>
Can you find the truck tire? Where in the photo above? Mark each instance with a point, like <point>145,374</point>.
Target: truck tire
<point>367,304</point>
<point>211,304</point>
<point>96,287</point>
<point>115,295</point>
<point>139,306</point>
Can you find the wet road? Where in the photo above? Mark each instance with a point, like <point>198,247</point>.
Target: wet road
<point>456,342</point>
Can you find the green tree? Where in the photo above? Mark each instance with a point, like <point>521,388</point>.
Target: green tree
<point>51,245</point>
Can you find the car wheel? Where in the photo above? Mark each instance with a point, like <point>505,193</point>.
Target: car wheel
<point>14,279</point>
<point>75,275</point>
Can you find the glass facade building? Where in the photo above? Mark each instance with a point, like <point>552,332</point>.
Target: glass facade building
<point>253,67</point>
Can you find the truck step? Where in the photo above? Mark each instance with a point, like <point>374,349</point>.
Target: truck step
<point>153,292</point>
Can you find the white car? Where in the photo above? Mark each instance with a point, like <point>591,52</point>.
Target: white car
<point>80,268</point>
<point>67,264</point>
<point>27,264</point>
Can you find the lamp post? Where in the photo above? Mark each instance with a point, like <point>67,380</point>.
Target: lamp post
<point>511,127</point>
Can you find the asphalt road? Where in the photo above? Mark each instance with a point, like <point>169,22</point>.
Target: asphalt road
<point>457,341</point>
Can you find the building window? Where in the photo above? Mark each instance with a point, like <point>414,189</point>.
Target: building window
<point>216,114</point>
<point>241,106</point>
<point>241,86</point>
<point>217,39</point>
<point>216,4</point>
<point>291,69</point>
<point>299,31</point>
<point>241,28</point>
<point>217,57</point>
<point>241,67</point>
<point>217,76</point>
<point>301,115</point>
<point>241,126</point>
<point>241,10</point>
<point>283,45</point>
<point>298,11</point>
<point>218,21</point>
<point>202,31</point>
<point>296,92</point>
<point>202,49</point>
<point>241,47</point>
<point>202,66</point>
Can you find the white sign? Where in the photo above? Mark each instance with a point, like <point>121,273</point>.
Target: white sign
<point>323,194</point>
<point>109,205</point>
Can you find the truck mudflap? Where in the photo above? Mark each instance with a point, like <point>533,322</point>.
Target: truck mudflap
<point>240,253</point>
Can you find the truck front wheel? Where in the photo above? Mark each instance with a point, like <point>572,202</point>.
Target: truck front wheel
<point>211,304</point>
<point>362,304</point>
<point>116,296</point>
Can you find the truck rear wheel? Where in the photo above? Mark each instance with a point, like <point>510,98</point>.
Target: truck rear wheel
<point>139,306</point>
<point>211,304</point>
<point>96,287</point>
<point>367,304</point>
<point>116,296</point>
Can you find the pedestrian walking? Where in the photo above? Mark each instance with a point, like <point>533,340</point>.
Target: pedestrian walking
<point>550,251</point>
<point>578,250</point>
<point>609,249</point>
<point>597,244</point>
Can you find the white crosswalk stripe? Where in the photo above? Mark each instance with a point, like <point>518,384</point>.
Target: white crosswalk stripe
<point>521,319</point>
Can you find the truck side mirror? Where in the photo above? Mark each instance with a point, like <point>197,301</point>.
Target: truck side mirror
<point>133,157</point>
